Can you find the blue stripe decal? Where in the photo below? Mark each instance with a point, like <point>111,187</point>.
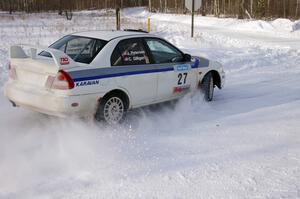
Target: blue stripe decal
<point>123,74</point>
<point>200,62</point>
<point>196,63</point>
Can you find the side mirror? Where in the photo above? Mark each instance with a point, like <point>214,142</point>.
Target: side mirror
<point>187,57</point>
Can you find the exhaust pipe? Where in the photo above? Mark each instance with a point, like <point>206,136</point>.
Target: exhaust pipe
<point>13,103</point>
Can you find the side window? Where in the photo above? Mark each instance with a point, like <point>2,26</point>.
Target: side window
<point>130,52</point>
<point>163,52</point>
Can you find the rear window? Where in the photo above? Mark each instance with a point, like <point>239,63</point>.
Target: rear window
<point>80,49</point>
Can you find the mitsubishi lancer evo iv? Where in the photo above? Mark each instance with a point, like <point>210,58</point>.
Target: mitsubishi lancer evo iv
<point>105,74</point>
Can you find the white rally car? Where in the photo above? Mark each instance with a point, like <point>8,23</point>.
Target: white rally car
<point>106,73</point>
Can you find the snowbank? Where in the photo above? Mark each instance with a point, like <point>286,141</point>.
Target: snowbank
<point>277,27</point>
<point>296,26</point>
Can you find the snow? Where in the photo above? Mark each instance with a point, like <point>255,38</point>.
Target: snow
<point>245,144</point>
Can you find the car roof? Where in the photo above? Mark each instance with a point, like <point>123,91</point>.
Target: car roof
<point>108,34</point>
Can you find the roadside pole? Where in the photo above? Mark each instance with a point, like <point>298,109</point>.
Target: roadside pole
<point>118,19</point>
<point>149,25</point>
<point>193,5</point>
<point>193,15</point>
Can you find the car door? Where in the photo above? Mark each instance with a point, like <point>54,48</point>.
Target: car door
<point>176,77</point>
<point>131,61</point>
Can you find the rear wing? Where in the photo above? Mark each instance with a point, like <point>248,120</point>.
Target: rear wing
<point>60,59</point>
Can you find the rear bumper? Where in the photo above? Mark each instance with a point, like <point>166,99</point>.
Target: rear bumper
<point>48,102</point>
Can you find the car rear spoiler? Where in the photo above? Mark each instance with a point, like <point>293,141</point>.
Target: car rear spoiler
<point>61,59</point>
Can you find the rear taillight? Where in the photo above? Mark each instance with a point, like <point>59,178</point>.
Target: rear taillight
<point>62,81</point>
<point>11,72</point>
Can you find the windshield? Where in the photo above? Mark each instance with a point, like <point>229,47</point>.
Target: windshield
<point>80,49</point>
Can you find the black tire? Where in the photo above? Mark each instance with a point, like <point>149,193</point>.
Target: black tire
<point>109,109</point>
<point>207,87</point>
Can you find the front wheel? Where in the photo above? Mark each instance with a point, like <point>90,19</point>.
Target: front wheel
<point>207,87</point>
<point>111,110</point>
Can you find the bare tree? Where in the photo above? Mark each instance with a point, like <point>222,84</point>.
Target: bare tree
<point>251,7</point>
<point>10,6</point>
<point>216,8</point>
<point>160,5</point>
<point>241,9</point>
<point>284,8</point>
<point>297,9</point>
<point>60,11</point>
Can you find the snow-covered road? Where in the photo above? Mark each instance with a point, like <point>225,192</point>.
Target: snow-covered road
<point>245,144</point>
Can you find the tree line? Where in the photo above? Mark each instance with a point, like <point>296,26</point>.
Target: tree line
<point>61,5</point>
<point>219,8</point>
<point>234,8</point>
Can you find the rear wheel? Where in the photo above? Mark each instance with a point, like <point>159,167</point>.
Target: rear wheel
<point>112,110</point>
<point>207,87</point>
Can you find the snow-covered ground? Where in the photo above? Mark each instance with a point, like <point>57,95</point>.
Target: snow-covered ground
<point>245,144</point>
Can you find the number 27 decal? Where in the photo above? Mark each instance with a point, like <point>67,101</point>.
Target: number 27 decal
<point>182,78</point>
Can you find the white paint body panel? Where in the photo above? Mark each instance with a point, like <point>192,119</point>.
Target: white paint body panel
<point>29,89</point>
